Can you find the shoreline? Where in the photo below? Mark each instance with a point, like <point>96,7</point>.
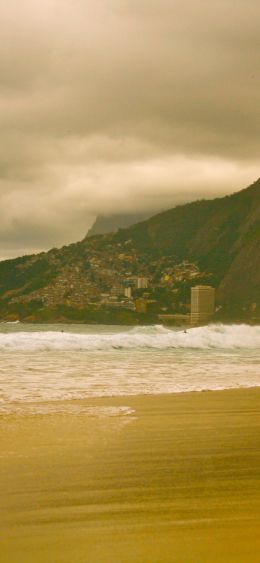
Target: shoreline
<point>142,322</point>
<point>114,399</point>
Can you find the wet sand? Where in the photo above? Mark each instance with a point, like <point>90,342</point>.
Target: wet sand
<point>176,481</point>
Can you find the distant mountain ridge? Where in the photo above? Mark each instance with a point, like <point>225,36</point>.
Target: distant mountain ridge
<point>221,236</point>
<point>111,223</point>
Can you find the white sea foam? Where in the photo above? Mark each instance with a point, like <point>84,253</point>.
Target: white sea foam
<point>61,408</point>
<point>39,365</point>
<point>157,337</point>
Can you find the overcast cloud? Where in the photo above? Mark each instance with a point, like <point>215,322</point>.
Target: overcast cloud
<point>113,105</point>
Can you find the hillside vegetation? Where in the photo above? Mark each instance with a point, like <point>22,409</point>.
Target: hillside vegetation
<point>222,235</point>
<point>219,239</point>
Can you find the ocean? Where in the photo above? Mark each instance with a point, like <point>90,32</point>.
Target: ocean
<point>107,455</point>
<point>44,368</point>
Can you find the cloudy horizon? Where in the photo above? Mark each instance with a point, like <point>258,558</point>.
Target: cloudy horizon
<point>113,106</point>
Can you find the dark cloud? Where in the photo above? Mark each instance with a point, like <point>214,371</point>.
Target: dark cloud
<point>122,104</point>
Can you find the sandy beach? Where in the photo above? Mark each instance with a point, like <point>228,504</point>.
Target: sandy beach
<point>172,478</point>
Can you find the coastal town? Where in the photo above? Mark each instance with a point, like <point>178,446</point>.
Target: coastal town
<point>145,273</point>
<point>114,278</point>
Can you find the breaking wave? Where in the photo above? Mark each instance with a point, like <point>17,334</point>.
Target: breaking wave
<point>156,337</point>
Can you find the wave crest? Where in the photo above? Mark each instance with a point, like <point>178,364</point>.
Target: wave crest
<point>154,337</point>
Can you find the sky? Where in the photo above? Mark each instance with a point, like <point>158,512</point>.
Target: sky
<point>117,105</point>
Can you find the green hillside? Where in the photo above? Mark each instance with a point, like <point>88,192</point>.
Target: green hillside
<point>216,233</point>
<point>210,241</point>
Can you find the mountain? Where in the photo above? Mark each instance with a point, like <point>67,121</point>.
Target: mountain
<point>111,223</point>
<point>222,235</point>
<point>210,241</point>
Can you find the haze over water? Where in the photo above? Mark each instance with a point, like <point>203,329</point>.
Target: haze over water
<point>42,364</point>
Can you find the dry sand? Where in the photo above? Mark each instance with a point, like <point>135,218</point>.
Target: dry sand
<point>177,481</point>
